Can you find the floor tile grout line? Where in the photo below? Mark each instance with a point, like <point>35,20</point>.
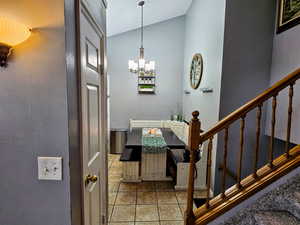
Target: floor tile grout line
<point>135,205</point>
<point>157,208</point>
<point>110,216</point>
<point>179,206</point>
<point>113,207</point>
<point>112,211</point>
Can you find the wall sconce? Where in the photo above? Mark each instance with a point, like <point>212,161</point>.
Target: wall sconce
<point>11,34</point>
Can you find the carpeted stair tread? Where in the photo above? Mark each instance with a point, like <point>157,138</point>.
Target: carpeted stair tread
<point>276,218</point>
<point>290,202</point>
<point>285,198</point>
<point>296,205</point>
<point>297,196</point>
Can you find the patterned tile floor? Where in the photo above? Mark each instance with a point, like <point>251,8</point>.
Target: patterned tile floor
<point>146,203</point>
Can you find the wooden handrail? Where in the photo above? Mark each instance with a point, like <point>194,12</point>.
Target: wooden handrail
<point>277,87</point>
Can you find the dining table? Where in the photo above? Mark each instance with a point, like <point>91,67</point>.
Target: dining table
<point>153,165</point>
<point>134,139</point>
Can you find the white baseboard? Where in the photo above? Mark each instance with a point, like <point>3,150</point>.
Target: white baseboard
<point>130,181</point>
<point>157,179</point>
<point>184,188</point>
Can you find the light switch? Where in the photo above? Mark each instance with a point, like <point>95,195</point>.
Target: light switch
<point>50,168</point>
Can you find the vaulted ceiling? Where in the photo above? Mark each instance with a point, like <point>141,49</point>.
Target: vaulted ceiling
<point>125,15</point>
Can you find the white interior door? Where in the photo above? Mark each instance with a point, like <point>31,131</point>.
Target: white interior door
<point>93,109</point>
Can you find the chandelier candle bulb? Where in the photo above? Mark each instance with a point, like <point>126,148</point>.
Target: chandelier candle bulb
<point>130,64</point>
<point>147,67</point>
<point>135,67</point>
<point>152,65</point>
<point>142,63</point>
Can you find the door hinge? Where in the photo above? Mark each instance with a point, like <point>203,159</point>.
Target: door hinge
<point>101,70</point>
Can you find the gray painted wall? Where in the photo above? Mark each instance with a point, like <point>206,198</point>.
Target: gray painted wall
<point>247,57</point>
<point>33,118</point>
<point>286,54</point>
<point>163,43</point>
<point>204,34</point>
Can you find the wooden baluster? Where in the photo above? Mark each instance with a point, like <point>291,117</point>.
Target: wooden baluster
<point>193,146</point>
<point>239,172</point>
<point>289,125</point>
<point>225,162</point>
<point>271,147</point>
<point>258,128</point>
<point>208,178</point>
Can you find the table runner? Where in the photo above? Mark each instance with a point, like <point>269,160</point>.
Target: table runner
<point>154,144</point>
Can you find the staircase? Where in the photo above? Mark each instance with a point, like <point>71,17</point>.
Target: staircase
<point>281,206</point>
<point>259,178</point>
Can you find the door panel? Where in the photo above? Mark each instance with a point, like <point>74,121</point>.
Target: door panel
<point>92,107</point>
<point>92,54</point>
<point>93,121</point>
<point>97,9</point>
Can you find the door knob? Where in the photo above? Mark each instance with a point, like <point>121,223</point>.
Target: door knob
<point>91,179</point>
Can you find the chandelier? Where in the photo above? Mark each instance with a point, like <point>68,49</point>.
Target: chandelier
<point>141,66</point>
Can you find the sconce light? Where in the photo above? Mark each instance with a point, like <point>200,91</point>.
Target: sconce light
<point>11,34</point>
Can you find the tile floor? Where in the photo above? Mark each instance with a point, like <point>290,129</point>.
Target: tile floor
<point>147,203</point>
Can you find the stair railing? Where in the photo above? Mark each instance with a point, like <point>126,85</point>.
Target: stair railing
<point>195,140</point>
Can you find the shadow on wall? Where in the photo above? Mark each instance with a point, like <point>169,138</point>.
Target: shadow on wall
<point>248,148</point>
<point>232,161</point>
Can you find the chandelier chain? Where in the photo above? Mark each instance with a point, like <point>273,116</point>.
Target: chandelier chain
<point>142,31</point>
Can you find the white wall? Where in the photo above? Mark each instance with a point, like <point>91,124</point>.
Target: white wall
<point>286,59</point>
<point>33,117</point>
<point>204,34</point>
<point>163,42</point>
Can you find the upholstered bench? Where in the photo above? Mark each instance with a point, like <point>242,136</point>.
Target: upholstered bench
<point>130,166</point>
<point>178,168</point>
<point>175,160</point>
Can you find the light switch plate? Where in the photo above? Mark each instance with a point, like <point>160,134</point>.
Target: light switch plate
<point>50,168</point>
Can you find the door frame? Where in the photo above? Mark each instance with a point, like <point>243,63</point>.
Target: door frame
<point>73,68</point>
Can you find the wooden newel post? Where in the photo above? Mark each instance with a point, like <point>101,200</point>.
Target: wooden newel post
<point>193,146</point>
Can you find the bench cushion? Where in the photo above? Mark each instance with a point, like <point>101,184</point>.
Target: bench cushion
<point>129,155</point>
<point>126,155</point>
<point>179,155</point>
